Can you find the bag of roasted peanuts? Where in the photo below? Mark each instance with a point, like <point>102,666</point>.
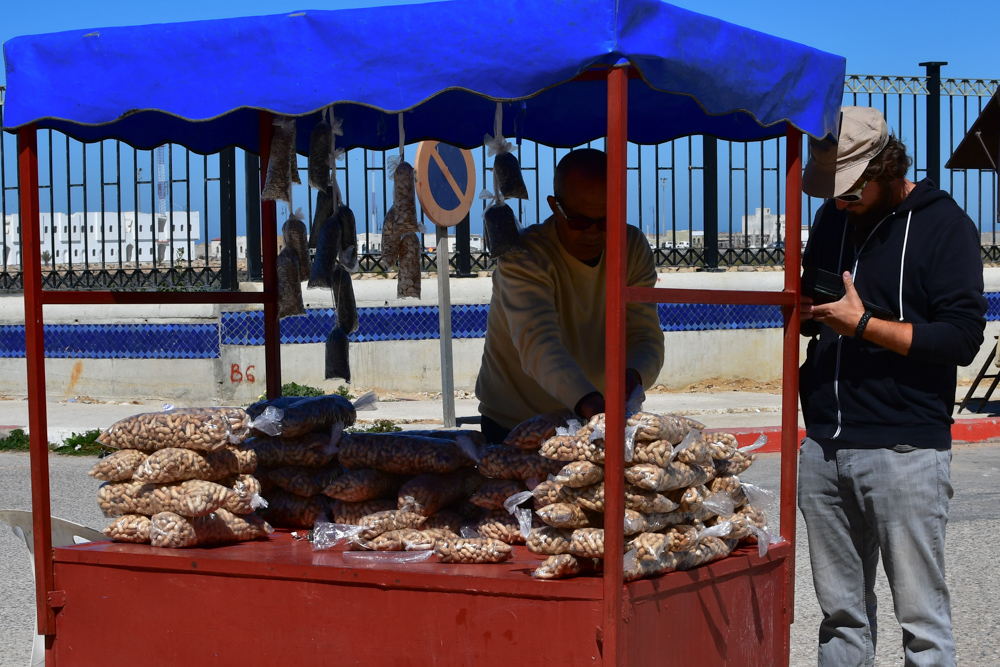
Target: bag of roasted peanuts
<point>317,414</point>
<point>654,478</point>
<point>549,541</point>
<point>364,484</point>
<point>352,512</point>
<point>190,498</point>
<point>501,525</point>
<point>566,565</point>
<point>563,515</point>
<point>282,170</point>
<point>304,481</point>
<point>578,474</point>
<point>245,496</point>
<point>579,447</point>
<point>400,453</point>
<point>493,492</point>
<point>175,464</point>
<point>129,528</point>
<point>201,429</point>
<point>472,551</point>
<point>287,510</point>
<point>383,522</point>
<point>634,568</point>
<point>221,527</point>
<point>119,466</point>
<point>426,494</point>
<point>531,433</point>
<point>312,450</point>
<point>506,462</point>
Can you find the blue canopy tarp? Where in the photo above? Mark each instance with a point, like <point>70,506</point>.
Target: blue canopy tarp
<point>445,64</point>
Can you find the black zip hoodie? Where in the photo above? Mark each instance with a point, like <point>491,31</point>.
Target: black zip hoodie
<point>855,391</point>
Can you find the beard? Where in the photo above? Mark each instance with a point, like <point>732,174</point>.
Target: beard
<point>881,207</point>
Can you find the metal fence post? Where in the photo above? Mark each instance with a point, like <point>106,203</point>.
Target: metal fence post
<point>933,121</point>
<point>251,166</point>
<point>227,217</point>
<point>710,198</point>
<point>463,248</point>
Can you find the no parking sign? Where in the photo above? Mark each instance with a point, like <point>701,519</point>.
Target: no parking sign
<point>446,182</point>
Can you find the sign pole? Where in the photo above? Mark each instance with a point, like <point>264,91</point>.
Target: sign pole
<point>444,313</point>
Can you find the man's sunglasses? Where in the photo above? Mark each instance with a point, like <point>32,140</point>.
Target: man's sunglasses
<point>853,195</point>
<point>581,223</point>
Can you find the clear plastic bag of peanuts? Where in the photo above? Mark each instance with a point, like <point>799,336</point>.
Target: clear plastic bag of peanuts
<point>737,464</point>
<point>505,462</point>
<point>129,528</point>
<point>579,447</point>
<point>589,497</point>
<point>404,196</point>
<point>343,299</point>
<point>383,522</point>
<point>320,143</point>
<point>325,204</point>
<point>429,493</point>
<point>647,502</point>
<point>352,513</point>
<point>501,525</point>
<point>578,474</point>
<point>502,228</point>
<point>221,527</point>
<point>327,253</point>
<point>564,566</point>
<point>550,491</point>
<point>563,515</point>
<point>282,170</point>
<point>175,464</point>
<point>587,543</point>
<point>118,466</point>
<point>472,551</point>
<point>708,549</point>
<point>400,453</point>
<point>635,568</point>
<point>289,286</point>
<point>304,481</point>
<point>531,433</point>
<point>317,414</point>
<point>245,497</point>
<point>549,541</point>
<point>355,486</point>
<point>287,510</point>
<point>657,452</point>
<point>204,430</point>
<point>296,237</point>
<point>348,239</point>
<point>390,239</point>
<point>192,498</point>
<point>651,427</point>
<point>408,278</point>
<point>654,478</point>
<point>493,492</point>
<point>312,450</point>
<point>447,519</point>
<point>403,539</point>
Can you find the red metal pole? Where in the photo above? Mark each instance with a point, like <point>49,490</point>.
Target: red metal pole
<point>790,359</point>
<point>269,248</point>
<point>614,499</point>
<point>31,272</point>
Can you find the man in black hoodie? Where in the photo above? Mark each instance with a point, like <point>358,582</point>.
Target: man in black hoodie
<point>878,387</point>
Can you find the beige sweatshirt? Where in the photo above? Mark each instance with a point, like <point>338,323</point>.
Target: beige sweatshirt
<point>545,329</point>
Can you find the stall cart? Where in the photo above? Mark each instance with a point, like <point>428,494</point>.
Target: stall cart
<point>631,70</point>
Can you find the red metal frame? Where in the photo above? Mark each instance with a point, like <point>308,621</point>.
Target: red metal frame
<point>618,295</point>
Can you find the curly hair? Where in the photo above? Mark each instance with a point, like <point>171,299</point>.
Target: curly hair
<point>891,163</point>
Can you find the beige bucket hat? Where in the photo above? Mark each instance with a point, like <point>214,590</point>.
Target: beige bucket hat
<point>834,168</point>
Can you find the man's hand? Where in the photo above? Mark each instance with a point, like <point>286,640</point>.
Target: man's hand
<point>806,311</point>
<point>842,316</point>
<point>590,405</point>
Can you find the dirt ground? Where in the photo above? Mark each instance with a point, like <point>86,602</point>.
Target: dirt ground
<point>718,385</point>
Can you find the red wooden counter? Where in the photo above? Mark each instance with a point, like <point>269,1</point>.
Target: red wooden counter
<point>278,602</point>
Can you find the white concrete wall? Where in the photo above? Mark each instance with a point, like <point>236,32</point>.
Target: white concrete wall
<point>400,366</point>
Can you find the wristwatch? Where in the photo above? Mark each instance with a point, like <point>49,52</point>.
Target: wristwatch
<point>862,323</point>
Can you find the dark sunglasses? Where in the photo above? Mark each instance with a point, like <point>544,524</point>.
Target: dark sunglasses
<point>581,223</point>
<point>855,194</point>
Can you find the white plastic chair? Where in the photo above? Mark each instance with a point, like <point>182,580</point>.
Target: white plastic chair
<point>64,533</point>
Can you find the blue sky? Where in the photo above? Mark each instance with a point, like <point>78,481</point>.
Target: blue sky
<point>876,38</point>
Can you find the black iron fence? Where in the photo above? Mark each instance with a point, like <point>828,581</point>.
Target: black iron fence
<point>117,217</point>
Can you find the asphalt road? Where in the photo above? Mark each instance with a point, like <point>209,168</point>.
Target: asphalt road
<point>973,566</point>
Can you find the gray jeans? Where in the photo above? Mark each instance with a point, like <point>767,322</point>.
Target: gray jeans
<point>857,502</point>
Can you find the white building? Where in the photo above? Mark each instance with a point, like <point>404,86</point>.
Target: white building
<point>762,228</point>
<point>110,237</point>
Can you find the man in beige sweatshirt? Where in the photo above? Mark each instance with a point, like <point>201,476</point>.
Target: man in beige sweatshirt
<point>544,347</point>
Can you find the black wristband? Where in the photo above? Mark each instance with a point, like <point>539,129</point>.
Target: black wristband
<point>862,323</point>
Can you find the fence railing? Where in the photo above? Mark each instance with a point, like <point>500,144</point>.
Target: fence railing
<point>117,217</point>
